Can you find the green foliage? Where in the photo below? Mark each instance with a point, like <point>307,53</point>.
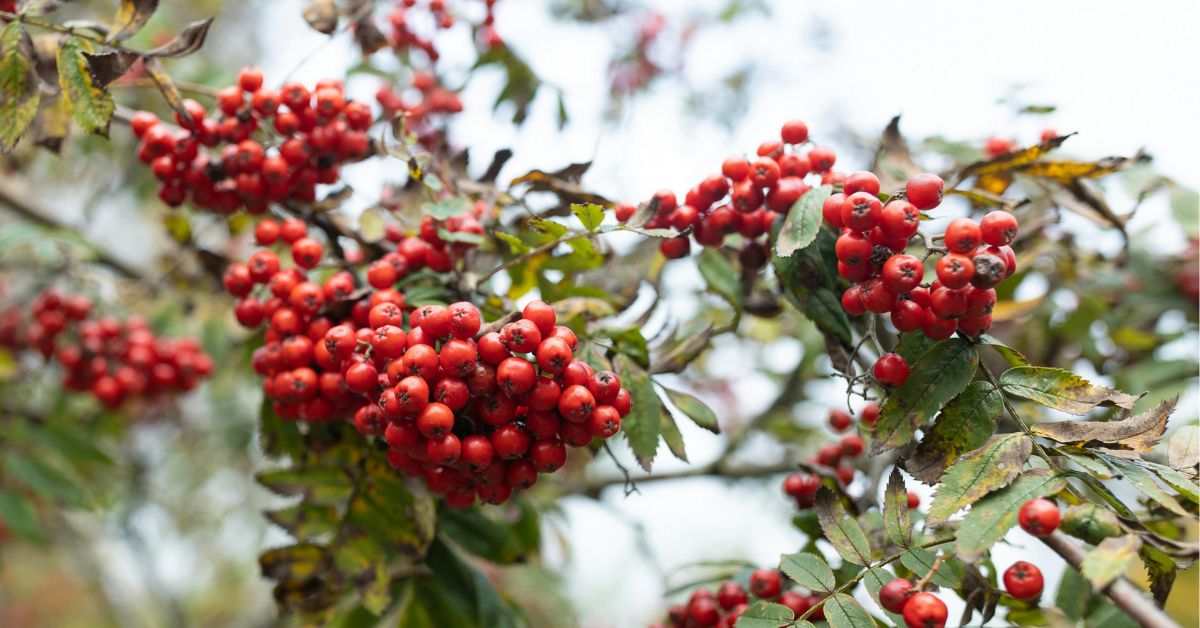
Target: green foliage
<point>978,473</point>
<point>940,375</point>
<point>809,280</point>
<point>807,570</point>
<point>963,424</point>
<point>643,425</point>
<point>90,103</point>
<point>803,222</point>
<point>897,524</point>
<point>991,518</point>
<point>841,530</point>
<point>19,93</point>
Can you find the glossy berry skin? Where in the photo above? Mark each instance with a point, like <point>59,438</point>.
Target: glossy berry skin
<point>998,228</point>
<point>891,369</point>
<point>766,584</point>
<point>902,273</point>
<point>861,211</point>
<point>1023,580</point>
<point>914,500</point>
<point>894,594</point>
<point>955,271</point>
<point>963,235</point>
<point>730,595</point>
<point>1039,517</point>
<point>840,420</point>
<point>794,132</point>
<point>869,414</point>
<point>899,219</point>
<point>924,191</point>
<point>925,610</point>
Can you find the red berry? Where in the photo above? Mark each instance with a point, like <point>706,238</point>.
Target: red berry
<point>522,336</point>
<point>1039,517</point>
<point>465,320</point>
<point>576,403</point>
<point>997,146</point>
<point>902,273</point>
<point>998,228</point>
<point>548,456</point>
<point>736,168</point>
<point>604,422</point>
<point>947,303</point>
<point>675,248</point>
<point>908,315</point>
<point>250,79</point>
<point>435,421</point>
<point>766,584</point>
<point>840,420</point>
<point>891,369</point>
<point>925,610</point>
<point>445,450</point>
<point>899,220</point>
<point>510,441</point>
<point>844,473</point>
<point>963,235</point>
<point>794,132</point>
<point>362,377</point>
<point>822,158</point>
<point>542,315</point>
<point>853,249</point>
<point>852,445</point>
<point>894,594</point>
<point>861,211</point>
<point>852,301</point>
<point>869,414</point>
<point>516,376</point>
<point>831,210</point>
<point>955,271</point>
<point>731,594</point>
<point>861,181</point>
<point>1023,580</point>
<point>307,252</point>
<point>924,191</point>
<point>914,500</point>
<point>477,452</point>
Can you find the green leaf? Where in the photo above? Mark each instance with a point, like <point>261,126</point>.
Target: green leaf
<point>547,230</point>
<point>1010,355</point>
<point>808,570</point>
<point>809,280</point>
<point>1177,480</point>
<point>643,424</point>
<point>803,222</point>
<point>590,214</point>
<point>1073,594</point>
<point>920,561</point>
<point>897,524</point>
<point>19,94</point>
<point>320,485</point>
<point>515,245</point>
<point>131,17</point>
<point>720,275</point>
<point>1144,482</point>
<point>991,518</point>
<point>43,480</point>
<point>277,436</point>
<point>694,409</point>
<point>938,377</point>
<point>306,521</point>
<point>454,594</point>
<point>978,473</point>
<point>1090,522</point>
<point>446,208</point>
<point>1161,569</point>
<point>841,611</point>
<point>1061,389</point>
<point>763,614</point>
<point>964,424</point>
<point>19,516</point>
<point>842,530</point>
<point>672,437</point>
<point>630,342</point>
<point>91,105</point>
<point>1183,207</point>
<point>1109,560</point>
<point>385,509</point>
<point>874,579</point>
<point>498,541</point>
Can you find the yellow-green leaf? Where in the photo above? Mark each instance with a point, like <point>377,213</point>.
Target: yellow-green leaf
<point>1144,481</point>
<point>672,437</point>
<point>803,222</point>
<point>842,530</point>
<point>91,105</point>
<point>808,570</point>
<point>590,214</point>
<point>991,517</point>
<point>132,15</point>
<point>643,425</point>
<point>19,94</point>
<point>1090,522</point>
<point>1061,389</point>
<point>978,473</point>
<point>694,409</point>
<point>841,611</point>
<point>897,524</point>
<point>964,424</point>
<point>1110,559</point>
<point>940,375</point>
<point>763,614</point>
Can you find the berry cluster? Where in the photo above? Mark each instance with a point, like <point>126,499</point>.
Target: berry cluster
<point>405,36</point>
<point>475,413</point>
<point>745,198</point>
<point>222,167</point>
<point>115,361</point>
<point>803,487</point>
<point>427,100</point>
<point>886,280</point>
<point>923,609</point>
<point>704,609</point>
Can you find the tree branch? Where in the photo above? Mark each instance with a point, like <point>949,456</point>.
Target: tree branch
<point>1124,594</point>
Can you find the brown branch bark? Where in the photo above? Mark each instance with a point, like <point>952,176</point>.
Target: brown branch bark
<point>1124,594</point>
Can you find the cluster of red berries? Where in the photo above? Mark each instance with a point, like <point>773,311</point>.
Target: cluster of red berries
<point>922,609</point>
<point>115,361</point>
<point>745,198</point>
<point>475,413</point>
<point>870,252</point>
<point>405,37</point>
<point>314,132</point>
<point>704,609</point>
<point>427,100</point>
<point>803,487</point>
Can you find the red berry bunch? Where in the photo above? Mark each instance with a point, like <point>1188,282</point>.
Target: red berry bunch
<point>745,198</point>
<point>217,162</point>
<point>425,102</point>
<point>405,36</point>
<point>803,487</point>
<point>473,414</point>
<point>886,280</point>
<point>113,360</point>
<point>920,609</point>
<point>722,610</point>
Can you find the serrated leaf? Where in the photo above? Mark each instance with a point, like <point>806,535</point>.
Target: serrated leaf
<point>808,570</point>
<point>643,424</point>
<point>91,105</point>
<point>1138,433</point>
<point>1183,448</point>
<point>1061,389</point>
<point>277,436</point>
<point>920,561</point>
<point>188,41</point>
<point>694,409</point>
<point>991,517</point>
<point>672,437</point>
<point>1161,569</point>
<point>938,377</point>
<point>720,275</point>
<point>964,424</point>
<point>1073,594</point>
<point>841,611</point>
<point>897,524</point>
<point>1109,560</point>
<point>590,214</point>
<point>763,614</point>
<point>803,222</point>
<point>978,473</point>
<point>131,16</point>
<point>319,485</point>
<point>809,280</point>
<point>842,530</point>
<point>1145,482</point>
<point>19,93</point>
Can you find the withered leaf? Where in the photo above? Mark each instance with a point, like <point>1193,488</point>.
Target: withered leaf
<point>1010,161</point>
<point>1067,171</point>
<point>188,41</point>
<point>322,16</point>
<point>106,67</point>
<point>131,17</point>
<point>893,161</point>
<point>1138,433</point>
<point>563,183</point>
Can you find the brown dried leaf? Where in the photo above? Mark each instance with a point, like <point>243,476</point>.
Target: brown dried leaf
<point>1011,161</point>
<point>131,17</point>
<point>368,37</point>
<point>188,41</point>
<point>1138,433</point>
<point>106,67</point>
<point>563,183</point>
<point>893,161</point>
<point>322,16</point>
<point>1183,448</point>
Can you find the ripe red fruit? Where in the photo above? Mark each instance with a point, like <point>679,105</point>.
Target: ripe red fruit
<point>853,249</point>
<point>831,210</point>
<point>822,158</point>
<point>515,376</point>
<point>869,414</point>
<point>576,403</point>
<point>477,452</point>
<point>445,450</point>
<point>510,441</point>
<point>604,422</point>
<point>307,252</point>
<point>766,584</point>
<point>852,301</point>
<point>963,235</point>
<point>861,181</point>
<point>914,500</point>
<point>899,220</point>
<point>1023,580</point>
<point>925,610</point>
<point>250,79</point>
<point>955,271</point>
<point>947,303</point>
<point>998,228</point>
<point>894,594</point>
<point>542,315</point>
<point>435,421</point>
<point>877,298</point>
<point>845,474</point>
<point>794,132</point>
<point>852,445</point>
<point>907,315</point>
<point>465,320</point>
<point>548,456</point>
<point>902,273</point>
<point>731,594</point>
<point>861,211</point>
<point>891,369</point>
<point>840,420</point>
<point>997,146</point>
<point>924,191</point>
<point>1039,517</point>
<point>829,454</point>
<point>604,385</point>
<point>362,377</point>
<point>675,248</point>
<point>521,336</point>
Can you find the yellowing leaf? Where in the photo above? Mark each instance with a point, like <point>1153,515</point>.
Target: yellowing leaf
<point>1067,171</point>
<point>937,377</point>
<point>842,530</point>
<point>322,16</point>
<point>993,184</point>
<point>1183,448</point>
<point>1138,433</point>
<point>1061,389</point>
<point>132,15</point>
<point>91,105</point>
<point>978,473</point>
<point>1110,559</point>
<point>1012,310</point>
<point>1010,161</point>
<point>19,94</point>
<point>188,41</point>
<point>964,424</point>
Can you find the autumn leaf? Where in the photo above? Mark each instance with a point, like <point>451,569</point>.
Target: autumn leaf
<point>1138,433</point>
<point>842,530</point>
<point>939,376</point>
<point>19,93</point>
<point>188,41</point>
<point>1010,161</point>
<point>131,16</point>
<point>964,424</point>
<point>978,473</point>
<point>91,105</point>
<point>1109,560</point>
<point>1061,389</point>
<point>897,523</point>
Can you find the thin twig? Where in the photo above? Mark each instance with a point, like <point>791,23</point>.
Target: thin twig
<point>630,486</point>
<point>1124,594</point>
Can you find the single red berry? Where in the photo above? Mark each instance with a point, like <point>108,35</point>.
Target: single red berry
<point>1039,517</point>
<point>542,315</point>
<point>902,273</point>
<point>891,369</point>
<point>822,158</point>
<point>250,79</point>
<point>516,376</point>
<point>829,454</point>
<point>947,303</point>
<point>894,594</point>
<point>604,422</point>
<point>997,146</point>
<point>477,452</point>
<point>831,210</point>
<point>907,315</point>
<point>435,421</point>
<point>465,320</point>
<point>852,301</point>
<point>548,456</point>
<point>361,377</point>
<point>675,248</point>
<point>521,336</point>
<point>877,298</point>
<point>963,235</point>
<point>840,420</point>
<point>869,414</point>
<point>914,500</point>
<point>307,252</point>
<point>510,441</point>
<point>925,610</point>
<point>853,249</point>
<point>794,132</point>
<point>852,445</point>
<point>766,584</point>
<point>955,271</point>
<point>998,228</point>
<point>576,403</point>
<point>730,595</point>
<point>1023,580</point>
<point>445,450</point>
<point>861,211</point>
<point>924,191</point>
<point>899,220</point>
<point>861,181</point>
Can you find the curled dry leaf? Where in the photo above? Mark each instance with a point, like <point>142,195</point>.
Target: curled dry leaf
<point>1139,432</point>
